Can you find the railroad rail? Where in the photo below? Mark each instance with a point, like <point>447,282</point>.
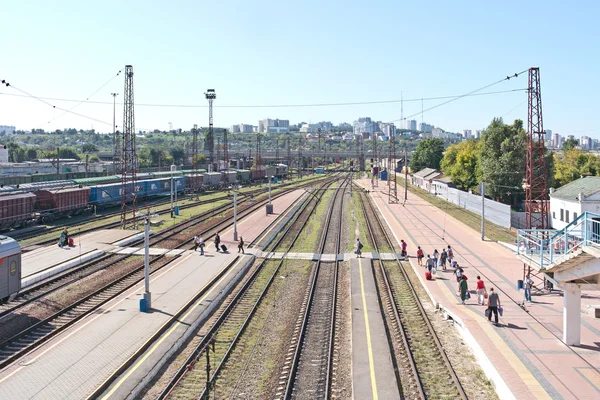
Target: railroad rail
<point>432,371</point>
<point>228,328</point>
<point>59,281</point>
<point>117,224</point>
<point>31,337</point>
<point>308,376</point>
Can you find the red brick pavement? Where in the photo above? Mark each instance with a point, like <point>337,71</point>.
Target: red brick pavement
<point>526,348</point>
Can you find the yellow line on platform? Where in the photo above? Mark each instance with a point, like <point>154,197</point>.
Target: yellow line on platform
<point>180,321</point>
<point>368,331</point>
<point>526,376</point>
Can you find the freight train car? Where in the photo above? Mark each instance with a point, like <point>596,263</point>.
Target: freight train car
<point>212,179</point>
<point>231,176</point>
<point>243,176</point>
<point>193,182</point>
<point>10,267</point>
<point>281,171</point>
<point>16,210</point>
<point>51,204</point>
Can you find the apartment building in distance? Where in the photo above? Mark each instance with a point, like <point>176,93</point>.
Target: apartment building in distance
<point>7,130</point>
<point>269,125</point>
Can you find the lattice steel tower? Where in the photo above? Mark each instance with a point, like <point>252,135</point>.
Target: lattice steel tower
<point>536,191</point>
<point>209,143</point>
<point>128,153</point>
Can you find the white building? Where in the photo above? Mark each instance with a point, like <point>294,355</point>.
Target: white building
<point>467,134</point>
<point>273,125</point>
<point>388,129</point>
<point>548,134</point>
<point>424,127</point>
<point>3,154</point>
<point>8,130</point>
<point>571,200</point>
<point>411,125</point>
<point>478,134</point>
<point>364,125</point>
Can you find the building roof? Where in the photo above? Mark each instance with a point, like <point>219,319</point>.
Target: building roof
<point>432,175</point>
<point>424,172</point>
<point>588,185</point>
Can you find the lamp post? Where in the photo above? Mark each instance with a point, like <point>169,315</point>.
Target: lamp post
<point>235,233</point>
<point>270,205</point>
<point>147,294</point>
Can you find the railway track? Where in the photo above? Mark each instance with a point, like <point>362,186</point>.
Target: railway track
<point>30,338</point>
<point>431,374</point>
<point>117,224</point>
<point>308,376</point>
<point>55,283</point>
<point>190,380</point>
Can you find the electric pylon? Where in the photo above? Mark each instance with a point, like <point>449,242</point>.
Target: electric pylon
<point>209,143</point>
<point>536,193</point>
<point>128,153</point>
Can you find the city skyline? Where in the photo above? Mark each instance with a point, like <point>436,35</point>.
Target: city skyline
<point>85,66</point>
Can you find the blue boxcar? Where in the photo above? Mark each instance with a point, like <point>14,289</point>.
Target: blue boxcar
<point>110,194</point>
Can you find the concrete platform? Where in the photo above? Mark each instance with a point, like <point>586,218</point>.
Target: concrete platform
<point>47,261</point>
<point>523,356</point>
<point>74,364</point>
<point>372,368</point>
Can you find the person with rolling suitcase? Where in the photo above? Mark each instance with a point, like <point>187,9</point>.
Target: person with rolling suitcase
<point>217,241</point>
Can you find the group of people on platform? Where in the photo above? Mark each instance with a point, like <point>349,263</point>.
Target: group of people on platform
<point>199,243</point>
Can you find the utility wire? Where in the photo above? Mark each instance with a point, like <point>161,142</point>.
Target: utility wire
<point>471,93</point>
<point>82,101</point>
<point>271,105</point>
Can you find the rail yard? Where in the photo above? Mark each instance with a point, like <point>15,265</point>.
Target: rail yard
<point>295,313</point>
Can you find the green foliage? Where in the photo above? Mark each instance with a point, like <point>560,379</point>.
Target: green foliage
<point>570,144</point>
<point>89,148</point>
<point>428,154</point>
<point>461,163</point>
<point>94,158</point>
<point>574,163</point>
<point>502,162</point>
<point>68,152</point>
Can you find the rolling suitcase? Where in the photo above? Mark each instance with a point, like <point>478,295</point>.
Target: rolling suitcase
<point>224,248</point>
<point>71,242</point>
<point>428,275</point>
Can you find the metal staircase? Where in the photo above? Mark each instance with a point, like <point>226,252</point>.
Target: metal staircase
<point>547,249</point>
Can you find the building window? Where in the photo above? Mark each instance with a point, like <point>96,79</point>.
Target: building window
<point>574,216</point>
<point>553,215</point>
<point>562,214</point>
<point>567,216</point>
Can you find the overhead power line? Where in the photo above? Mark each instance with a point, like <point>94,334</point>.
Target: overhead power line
<point>274,105</point>
<point>471,93</point>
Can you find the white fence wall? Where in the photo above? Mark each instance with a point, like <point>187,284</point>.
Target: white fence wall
<point>498,213</point>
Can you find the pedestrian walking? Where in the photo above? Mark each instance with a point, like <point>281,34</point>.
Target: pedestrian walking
<point>436,255</point>
<point>201,245</point>
<point>464,289</point>
<point>493,305</point>
<point>481,293</point>
<point>359,247</point>
<point>241,245</point>
<point>528,285</point>
<point>419,256</point>
<point>195,242</point>
<point>450,253</point>
<point>217,241</point>
<point>430,263</point>
<point>444,257</point>
<point>404,245</point>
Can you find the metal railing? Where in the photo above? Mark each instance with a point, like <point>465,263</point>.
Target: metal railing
<point>545,247</point>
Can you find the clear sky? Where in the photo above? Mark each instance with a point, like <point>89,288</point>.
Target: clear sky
<point>299,52</point>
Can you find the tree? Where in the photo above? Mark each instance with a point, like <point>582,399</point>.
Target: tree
<point>89,148</point>
<point>573,164</point>
<point>570,144</point>
<point>503,159</point>
<point>68,152</point>
<point>461,163</point>
<point>31,154</point>
<point>178,154</point>
<point>94,159</point>
<point>428,154</point>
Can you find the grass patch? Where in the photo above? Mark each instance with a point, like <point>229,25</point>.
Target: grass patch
<point>492,231</point>
<point>308,239</point>
<point>357,220</point>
